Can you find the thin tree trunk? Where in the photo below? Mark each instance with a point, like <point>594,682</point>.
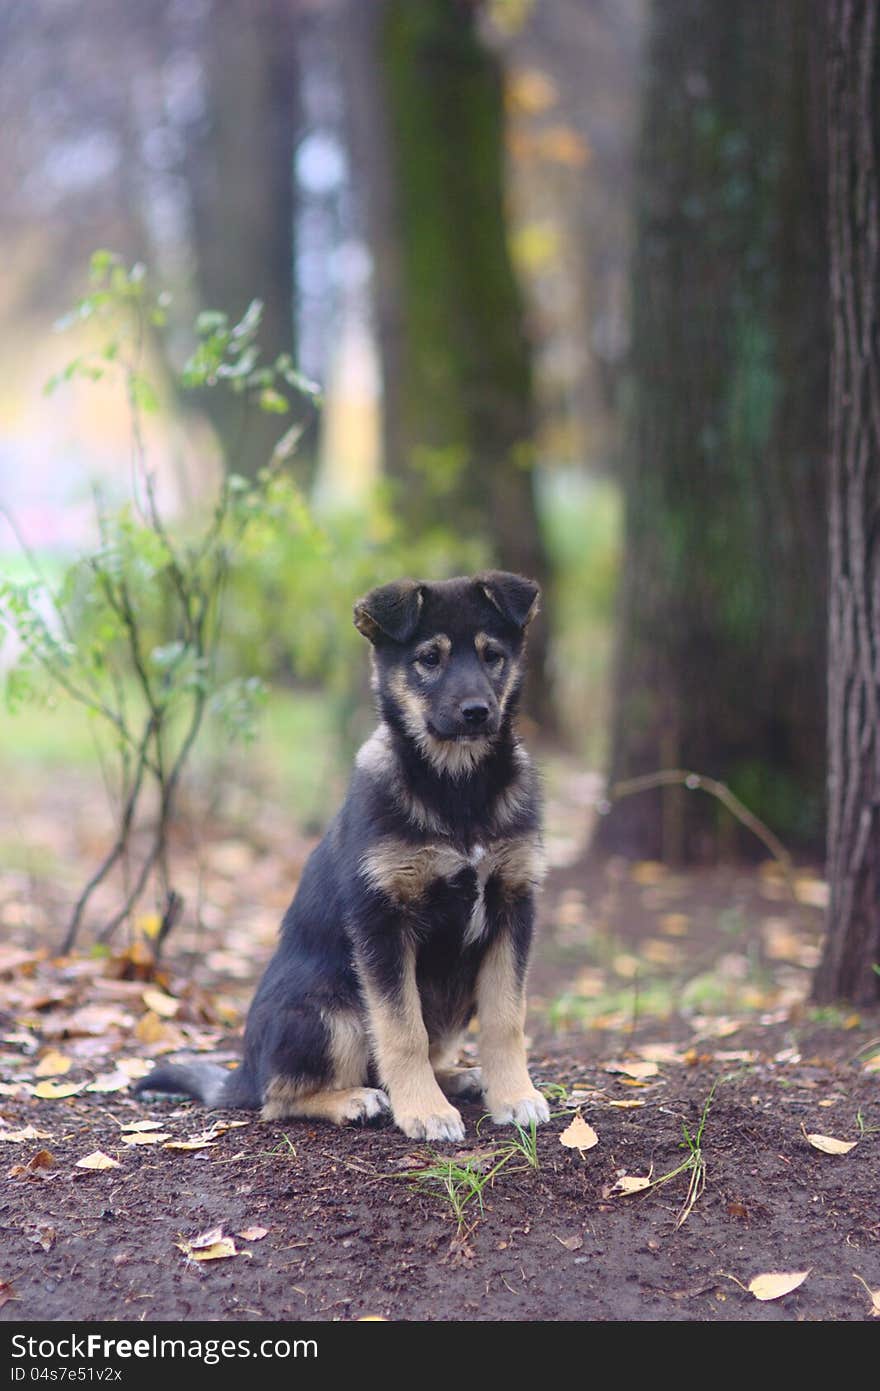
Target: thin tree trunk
<point>851,959</point>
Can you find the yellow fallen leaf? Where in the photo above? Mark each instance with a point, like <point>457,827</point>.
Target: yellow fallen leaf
<point>150,1028</point>
<point>828,1144</point>
<point>98,1160</point>
<point>648,872</point>
<point>53,1064</point>
<point>109,1082</point>
<point>188,1145</point>
<point>53,1091</point>
<point>29,1132</point>
<point>253,1233</point>
<point>160,1003</point>
<point>638,1070</point>
<point>134,1067</point>
<point>774,1284</point>
<point>217,1251</point>
<point>626,1105</point>
<point>130,1126</point>
<point>149,924</point>
<point>142,1138</point>
<point>579,1135</point>
<point>631,1183</point>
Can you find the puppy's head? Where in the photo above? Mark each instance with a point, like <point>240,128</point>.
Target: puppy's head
<point>448,660</point>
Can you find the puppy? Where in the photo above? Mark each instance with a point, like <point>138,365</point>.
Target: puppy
<point>415,911</point>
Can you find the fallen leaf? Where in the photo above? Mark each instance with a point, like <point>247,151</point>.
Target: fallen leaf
<point>188,1145</point>
<point>150,1028</point>
<point>218,1251</point>
<point>571,1243</point>
<point>98,1160</point>
<point>43,1159</point>
<point>253,1233</point>
<point>130,1127</point>
<point>30,1132</point>
<point>875,1296</point>
<point>638,1070</point>
<point>139,1137</point>
<point>631,1183</point>
<point>160,1003</point>
<point>134,1067</point>
<point>53,1091</point>
<point>53,1064</point>
<point>626,1105</point>
<point>579,1135</point>
<point>828,1144</point>
<point>774,1284</point>
<point>41,1235</point>
<point>735,1209</point>
<point>110,1082</point>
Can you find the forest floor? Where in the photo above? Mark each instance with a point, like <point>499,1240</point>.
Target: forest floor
<point>668,1012</point>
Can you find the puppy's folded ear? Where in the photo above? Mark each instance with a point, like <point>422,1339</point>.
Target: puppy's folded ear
<point>515,597</point>
<point>391,611</point>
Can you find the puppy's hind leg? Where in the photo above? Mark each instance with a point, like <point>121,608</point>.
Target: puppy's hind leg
<point>342,1098</point>
<point>454,1081</point>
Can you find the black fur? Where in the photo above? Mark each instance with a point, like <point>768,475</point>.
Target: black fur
<point>459,786</point>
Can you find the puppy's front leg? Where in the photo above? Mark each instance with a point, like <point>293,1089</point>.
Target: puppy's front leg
<point>501,1007</point>
<point>400,1046</point>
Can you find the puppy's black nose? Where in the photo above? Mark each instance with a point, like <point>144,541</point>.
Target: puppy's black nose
<point>475,713</point>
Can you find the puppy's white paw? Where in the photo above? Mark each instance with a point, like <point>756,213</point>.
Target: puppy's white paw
<point>364,1104</point>
<point>442,1125</point>
<point>522,1112</point>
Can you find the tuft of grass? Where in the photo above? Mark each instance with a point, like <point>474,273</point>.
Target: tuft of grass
<point>695,1163</point>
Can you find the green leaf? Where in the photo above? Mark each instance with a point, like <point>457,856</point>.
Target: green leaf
<point>273,402</point>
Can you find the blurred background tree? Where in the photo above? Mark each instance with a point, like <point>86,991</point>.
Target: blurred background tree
<point>721,649</point>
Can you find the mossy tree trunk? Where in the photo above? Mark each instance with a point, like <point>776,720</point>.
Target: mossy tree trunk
<point>456,359</point>
<point>851,959</point>
<point>721,648</point>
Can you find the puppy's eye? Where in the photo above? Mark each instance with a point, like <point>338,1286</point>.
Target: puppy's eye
<point>492,656</point>
<point>428,659</point>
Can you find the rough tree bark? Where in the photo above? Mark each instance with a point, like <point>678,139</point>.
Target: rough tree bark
<point>848,969</point>
<point>721,654</point>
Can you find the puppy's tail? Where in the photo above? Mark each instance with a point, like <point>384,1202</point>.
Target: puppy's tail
<point>208,1083</point>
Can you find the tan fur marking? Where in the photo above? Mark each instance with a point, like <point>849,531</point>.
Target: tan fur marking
<point>519,863</point>
<point>513,801</point>
<point>405,871</point>
<point>349,1048</point>
<point>401,1051</point>
<point>455,757</point>
<point>284,1099</point>
<point>501,1012</point>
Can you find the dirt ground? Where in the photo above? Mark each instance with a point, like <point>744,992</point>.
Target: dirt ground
<point>657,1000</point>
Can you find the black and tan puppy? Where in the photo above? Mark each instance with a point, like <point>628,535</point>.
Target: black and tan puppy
<point>416,909</point>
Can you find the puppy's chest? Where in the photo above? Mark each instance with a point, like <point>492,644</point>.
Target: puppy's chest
<point>407,872</point>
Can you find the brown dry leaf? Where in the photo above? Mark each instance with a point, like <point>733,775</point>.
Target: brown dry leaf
<point>188,1145</point>
<point>43,1159</point>
<point>54,1091</point>
<point>41,1235</point>
<point>30,1132</point>
<point>828,1144</point>
<point>253,1233</point>
<point>141,1138</point>
<point>637,1070</point>
<point>631,1183</point>
<point>97,1160</point>
<point>53,1064</point>
<point>774,1284</point>
<point>160,1003</point>
<point>571,1243</point>
<point>579,1135</point>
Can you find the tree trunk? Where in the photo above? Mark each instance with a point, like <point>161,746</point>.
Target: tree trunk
<point>458,405</point>
<point>721,660</point>
<point>848,969</point>
<point>241,183</point>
